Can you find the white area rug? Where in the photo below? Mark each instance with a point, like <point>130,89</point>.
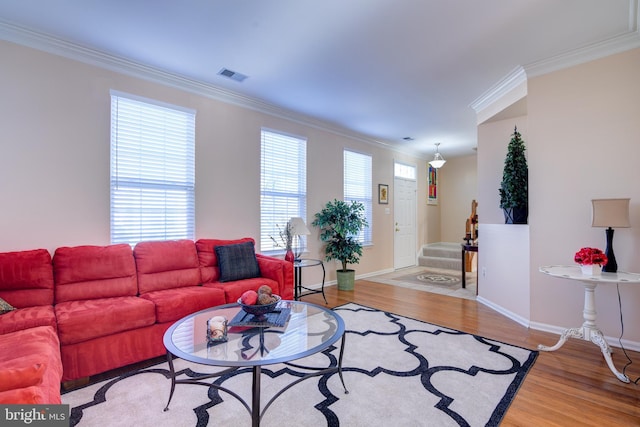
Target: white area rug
<point>396,369</point>
<point>436,280</point>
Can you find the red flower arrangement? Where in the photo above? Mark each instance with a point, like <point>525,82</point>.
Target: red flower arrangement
<point>589,256</point>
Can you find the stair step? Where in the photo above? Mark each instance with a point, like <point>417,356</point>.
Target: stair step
<point>440,262</point>
<point>445,255</point>
<point>442,250</point>
<point>441,253</point>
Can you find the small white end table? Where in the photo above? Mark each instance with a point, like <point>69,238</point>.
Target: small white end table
<point>589,331</point>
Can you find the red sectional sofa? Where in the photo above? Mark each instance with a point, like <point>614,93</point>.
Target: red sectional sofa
<point>90,309</point>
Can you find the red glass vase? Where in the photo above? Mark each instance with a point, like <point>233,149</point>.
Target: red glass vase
<point>289,256</point>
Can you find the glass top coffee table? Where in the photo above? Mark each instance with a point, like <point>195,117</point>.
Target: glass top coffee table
<point>308,329</point>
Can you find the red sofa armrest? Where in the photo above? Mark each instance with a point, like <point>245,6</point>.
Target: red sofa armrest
<point>279,270</point>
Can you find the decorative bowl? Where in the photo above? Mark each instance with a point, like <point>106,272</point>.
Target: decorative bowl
<point>260,310</point>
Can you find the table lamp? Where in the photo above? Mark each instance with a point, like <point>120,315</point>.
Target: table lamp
<point>298,228</point>
<point>610,213</point>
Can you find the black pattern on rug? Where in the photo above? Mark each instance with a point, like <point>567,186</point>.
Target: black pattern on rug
<point>441,375</point>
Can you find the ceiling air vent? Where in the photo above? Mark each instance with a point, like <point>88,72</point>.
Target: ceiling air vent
<point>232,75</point>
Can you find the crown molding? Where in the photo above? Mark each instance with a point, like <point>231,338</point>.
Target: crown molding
<point>508,83</point>
<point>623,42</point>
<point>44,42</point>
<point>56,46</point>
<point>521,74</point>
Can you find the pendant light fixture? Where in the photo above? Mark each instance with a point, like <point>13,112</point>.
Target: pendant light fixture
<point>437,161</point>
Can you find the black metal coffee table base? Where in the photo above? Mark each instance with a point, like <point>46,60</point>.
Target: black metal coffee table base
<point>254,409</point>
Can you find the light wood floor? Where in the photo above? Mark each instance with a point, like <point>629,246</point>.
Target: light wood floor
<point>569,387</point>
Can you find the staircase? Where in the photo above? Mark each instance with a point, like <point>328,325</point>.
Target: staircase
<point>441,255</point>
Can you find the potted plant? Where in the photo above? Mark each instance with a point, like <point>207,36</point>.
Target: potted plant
<point>514,189</point>
<point>340,223</point>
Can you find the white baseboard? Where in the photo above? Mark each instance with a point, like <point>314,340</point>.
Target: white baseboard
<point>513,316</point>
<point>358,276</point>
<point>375,273</point>
<point>612,341</point>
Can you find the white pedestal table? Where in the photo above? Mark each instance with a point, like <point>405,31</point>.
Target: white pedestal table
<point>589,331</point>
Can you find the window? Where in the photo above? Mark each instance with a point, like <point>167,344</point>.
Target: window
<point>357,187</point>
<point>283,185</point>
<point>152,170</point>
<point>404,171</point>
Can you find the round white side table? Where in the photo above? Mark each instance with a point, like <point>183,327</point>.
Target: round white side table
<point>589,331</point>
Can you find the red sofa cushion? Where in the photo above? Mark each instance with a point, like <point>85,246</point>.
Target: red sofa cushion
<point>166,265</point>
<point>207,258</point>
<point>31,383</point>
<point>24,396</point>
<point>26,282</point>
<point>22,374</point>
<point>29,317</point>
<point>112,351</point>
<point>233,290</point>
<point>174,304</point>
<point>87,319</point>
<point>26,278</point>
<point>87,272</point>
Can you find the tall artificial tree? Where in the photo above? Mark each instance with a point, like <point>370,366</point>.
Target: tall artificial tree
<point>514,189</point>
<point>340,223</point>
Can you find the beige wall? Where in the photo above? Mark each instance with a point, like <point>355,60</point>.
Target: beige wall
<point>54,160</point>
<point>581,132</point>
<point>458,187</point>
<point>584,144</point>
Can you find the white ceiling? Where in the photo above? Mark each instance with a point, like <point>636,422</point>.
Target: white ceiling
<point>381,69</point>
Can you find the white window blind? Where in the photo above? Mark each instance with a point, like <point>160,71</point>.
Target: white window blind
<point>358,187</point>
<point>283,185</point>
<point>152,170</point>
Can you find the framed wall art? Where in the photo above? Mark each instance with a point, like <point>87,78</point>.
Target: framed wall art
<point>432,185</point>
<point>383,194</point>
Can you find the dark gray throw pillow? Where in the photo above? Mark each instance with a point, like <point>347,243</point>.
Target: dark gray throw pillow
<point>237,261</point>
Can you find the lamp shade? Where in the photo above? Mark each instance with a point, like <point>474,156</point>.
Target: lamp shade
<point>437,161</point>
<point>610,213</point>
<point>298,227</point>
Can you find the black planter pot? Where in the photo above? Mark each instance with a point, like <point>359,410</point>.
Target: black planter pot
<point>515,215</point>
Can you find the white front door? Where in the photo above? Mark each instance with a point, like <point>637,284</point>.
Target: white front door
<point>404,207</point>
